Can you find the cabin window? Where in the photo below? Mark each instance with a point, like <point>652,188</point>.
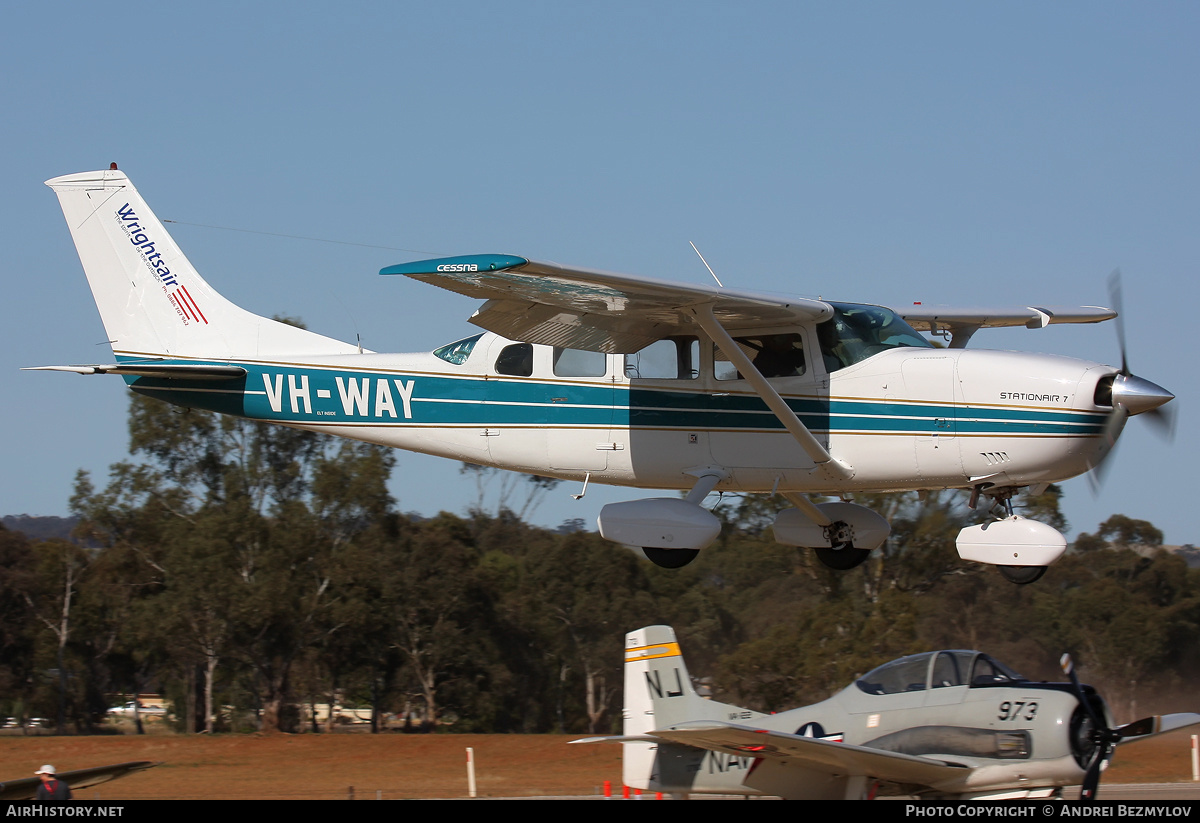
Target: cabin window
<point>516,360</point>
<point>774,355</point>
<point>579,363</point>
<point>674,358</point>
<point>458,351</point>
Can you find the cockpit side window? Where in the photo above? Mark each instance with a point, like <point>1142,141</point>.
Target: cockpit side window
<point>856,332</point>
<point>949,669</point>
<point>987,672</point>
<point>774,355</point>
<point>516,360</point>
<point>458,351</point>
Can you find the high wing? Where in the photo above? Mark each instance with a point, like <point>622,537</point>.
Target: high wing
<point>963,322</point>
<point>556,305</point>
<point>25,788</point>
<point>815,754</point>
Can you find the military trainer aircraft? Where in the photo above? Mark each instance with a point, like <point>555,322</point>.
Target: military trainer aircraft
<point>640,382</point>
<point>947,724</point>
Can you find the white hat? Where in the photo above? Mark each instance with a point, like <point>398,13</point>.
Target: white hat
<point>47,769</point>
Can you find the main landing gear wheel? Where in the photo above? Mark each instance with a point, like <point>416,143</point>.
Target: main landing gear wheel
<point>844,557</point>
<point>1022,575</point>
<point>670,558</point>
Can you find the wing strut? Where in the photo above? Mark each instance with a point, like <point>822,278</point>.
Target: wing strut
<point>827,464</point>
<point>801,502</point>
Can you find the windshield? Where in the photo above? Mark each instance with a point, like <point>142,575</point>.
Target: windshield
<point>458,351</point>
<point>856,332</point>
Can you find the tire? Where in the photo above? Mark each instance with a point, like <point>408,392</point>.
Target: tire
<point>1022,575</point>
<point>670,558</point>
<point>843,559</point>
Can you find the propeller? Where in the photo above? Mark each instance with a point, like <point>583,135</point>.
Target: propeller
<point>1103,739</point>
<point>1127,393</point>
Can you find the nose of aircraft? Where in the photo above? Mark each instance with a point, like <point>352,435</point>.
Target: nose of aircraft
<point>1137,394</point>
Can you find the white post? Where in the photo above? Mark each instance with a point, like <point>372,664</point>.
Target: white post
<point>470,772</point>
<point>1195,759</point>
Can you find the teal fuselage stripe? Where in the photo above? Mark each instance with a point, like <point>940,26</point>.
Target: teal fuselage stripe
<point>311,395</point>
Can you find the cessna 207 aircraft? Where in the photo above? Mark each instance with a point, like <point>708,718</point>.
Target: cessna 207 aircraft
<point>638,382</point>
<point>941,724</point>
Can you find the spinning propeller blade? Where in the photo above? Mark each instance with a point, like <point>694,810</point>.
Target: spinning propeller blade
<point>1128,393</point>
<point>1104,738</point>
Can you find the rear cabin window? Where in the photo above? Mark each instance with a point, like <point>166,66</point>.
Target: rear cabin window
<point>674,358</point>
<point>579,363</point>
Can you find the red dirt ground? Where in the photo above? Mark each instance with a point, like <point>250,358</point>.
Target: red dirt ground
<point>324,767</point>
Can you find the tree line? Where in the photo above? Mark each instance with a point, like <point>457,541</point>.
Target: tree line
<point>246,570</point>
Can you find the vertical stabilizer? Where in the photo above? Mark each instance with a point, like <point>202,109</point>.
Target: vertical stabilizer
<point>151,299</point>
<point>658,695</point>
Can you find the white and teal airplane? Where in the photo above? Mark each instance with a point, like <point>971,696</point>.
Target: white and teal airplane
<point>639,382</point>
<point>946,724</point>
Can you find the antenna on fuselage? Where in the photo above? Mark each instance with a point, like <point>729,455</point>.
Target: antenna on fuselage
<point>705,262</point>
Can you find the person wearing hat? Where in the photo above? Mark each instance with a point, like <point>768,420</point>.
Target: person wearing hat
<point>52,789</point>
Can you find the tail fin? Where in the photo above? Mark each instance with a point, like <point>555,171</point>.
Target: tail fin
<point>659,694</point>
<point>151,299</point>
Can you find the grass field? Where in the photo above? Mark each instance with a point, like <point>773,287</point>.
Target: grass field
<point>396,766</point>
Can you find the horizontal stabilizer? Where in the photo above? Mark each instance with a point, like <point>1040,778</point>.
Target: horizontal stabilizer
<point>166,371</point>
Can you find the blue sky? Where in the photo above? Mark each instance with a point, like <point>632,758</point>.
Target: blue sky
<point>961,153</point>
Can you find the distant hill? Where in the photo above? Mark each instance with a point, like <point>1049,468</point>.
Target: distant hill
<point>1188,552</point>
<point>40,528</point>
